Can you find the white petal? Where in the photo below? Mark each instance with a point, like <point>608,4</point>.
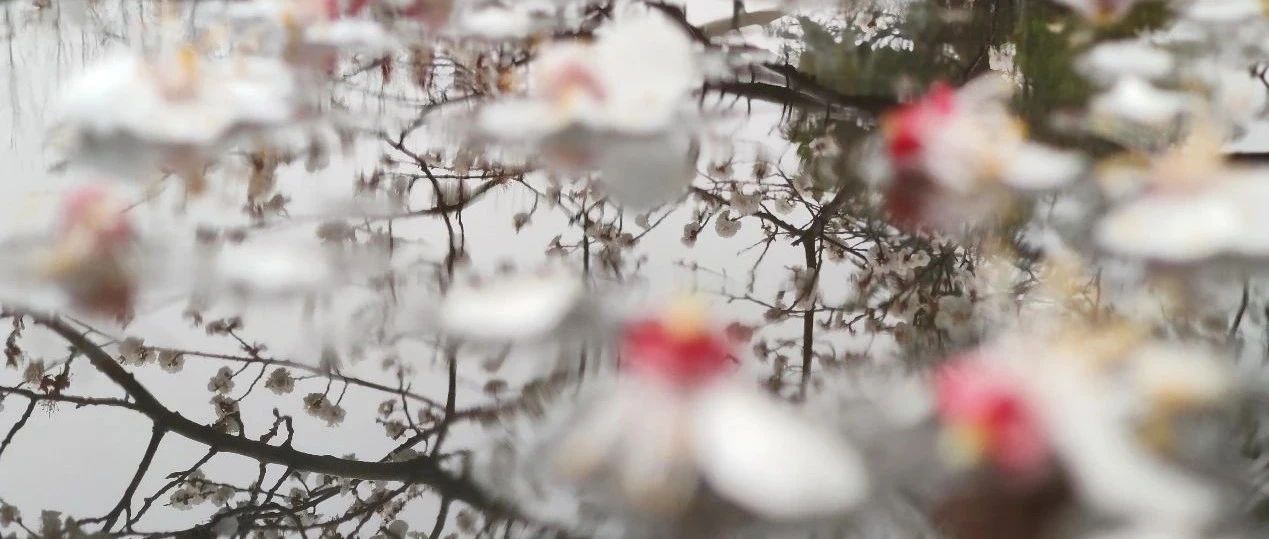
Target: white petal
<point>1114,59</point>
<point>513,309</point>
<point>766,459</point>
<point>1086,419</point>
<point>520,119</point>
<point>1136,100</point>
<point>1177,228</point>
<point>642,172</point>
<point>1037,167</point>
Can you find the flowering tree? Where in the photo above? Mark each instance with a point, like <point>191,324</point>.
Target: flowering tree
<point>432,268</point>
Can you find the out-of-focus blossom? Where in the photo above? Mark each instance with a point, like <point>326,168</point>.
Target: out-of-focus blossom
<point>128,114</point>
<point>1100,406</point>
<point>1100,11</point>
<point>1135,100</point>
<point>618,104</point>
<point>91,260</point>
<point>311,33</point>
<point>954,155</point>
<point>503,21</point>
<point>676,420</point>
<point>1192,207</point>
<point>268,269</point>
<point>634,78</point>
<point>987,414</point>
<point>955,316</point>
<point>1111,60</point>
<point>523,308</point>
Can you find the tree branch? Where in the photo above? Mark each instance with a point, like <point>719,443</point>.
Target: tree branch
<point>425,470</point>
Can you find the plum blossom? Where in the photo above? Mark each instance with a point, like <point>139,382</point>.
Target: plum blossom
<point>954,317</point>
<point>617,104</point>
<point>222,382</point>
<point>634,78</point>
<point>34,371</point>
<point>675,418</point>
<point>184,498</point>
<point>521,308</point>
<point>91,260</point>
<point>1100,11</point>
<point>280,381</point>
<point>311,33</point>
<point>745,204</point>
<point>1094,404</point>
<point>171,361</point>
<point>726,225</point>
<point>988,415</point>
<point>223,405</point>
<point>275,269</point>
<point>129,114</point>
<point>955,155</point>
<point>319,406</point>
<point>1190,206</point>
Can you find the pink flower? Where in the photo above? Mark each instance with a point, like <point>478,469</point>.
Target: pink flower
<point>90,247</point>
<point>986,404</point>
<point>678,351</point>
<point>907,128</point>
<point>94,210</point>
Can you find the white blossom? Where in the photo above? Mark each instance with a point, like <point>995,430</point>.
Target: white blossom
<point>280,381</point>
<point>725,225</point>
<point>222,381</point>
<point>171,361</point>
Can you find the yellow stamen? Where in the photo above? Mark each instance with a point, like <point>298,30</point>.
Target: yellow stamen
<point>963,444</point>
<point>685,318</point>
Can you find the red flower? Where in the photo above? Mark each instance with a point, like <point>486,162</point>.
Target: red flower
<point>91,208</point>
<point>674,353</point>
<point>908,127</point>
<point>986,402</point>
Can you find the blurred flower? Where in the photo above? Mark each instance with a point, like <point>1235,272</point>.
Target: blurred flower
<point>955,155</point>
<point>633,78</point>
<point>1100,11</point>
<point>1100,403</point>
<point>676,419</point>
<point>221,495</point>
<point>34,371</point>
<point>1110,61</point>
<point>746,204</point>
<point>128,114</point>
<point>987,414</point>
<point>91,258</point>
<point>528,307</point>
<point>1190,207</point>
<point>274,268</point>
<point>1135,100</point>
<point>311,33</point>
<point>616,104</point>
